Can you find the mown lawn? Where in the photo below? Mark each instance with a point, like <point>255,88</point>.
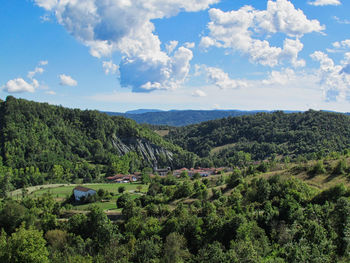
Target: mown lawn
<point>64,191</point>
<point>109,205</point>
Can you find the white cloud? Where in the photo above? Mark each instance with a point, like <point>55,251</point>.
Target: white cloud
<point>325,2</point>
<point>280,77</point>
<point>219,78</point>
<point>199,93</point>
<point>43,63</point>
<point>341,21</point>
<point>47,4</point>
<point>66,80</point>
<point>334,79</point>
<point>342,44</point>
<point>37,70</point>
<point>110,67</point>
<point>18,85</point>
<point>171,46</point>
<point>35,83</point>
<point>125,26</point>
<point>189,45</point>
<point>50,92</point>
<point>236,30</point>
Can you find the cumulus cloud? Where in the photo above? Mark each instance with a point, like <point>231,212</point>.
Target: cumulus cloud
<point>106,26</point>
<point>237,30</point>
<point>189,44</point>
<point>109,67</point>
<point>219,78</point>
<point>334,79</point>
<point>199,93</point>
<point>47,4</point>
<point>66,80</point>
<point>171,46</point>
<point>324,2</point>
<point>37,70</point>
<point>18,85</point>
<point>342,44</point>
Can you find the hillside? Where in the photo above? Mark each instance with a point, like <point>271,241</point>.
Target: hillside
<point>265,134</point>
<point>233,217</point>
<point>41,135</point>
<point>180,117</point>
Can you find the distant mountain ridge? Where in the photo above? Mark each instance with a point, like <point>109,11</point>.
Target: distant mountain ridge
<point>141,111</point>
<point>183,117</point>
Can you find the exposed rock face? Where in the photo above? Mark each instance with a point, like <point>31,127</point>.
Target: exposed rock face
<point>150,152</point>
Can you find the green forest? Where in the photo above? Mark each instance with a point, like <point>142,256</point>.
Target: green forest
<point>265,135</point>
<point>44,143</point>
<point>233,218</point>
<point>283,197</point>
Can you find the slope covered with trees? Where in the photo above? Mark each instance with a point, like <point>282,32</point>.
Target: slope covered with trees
<point>266,134</point>
<point>235,218</point>
<point>74,143</point>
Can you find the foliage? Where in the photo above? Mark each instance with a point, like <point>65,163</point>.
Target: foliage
<point>264,134</point>
<point>45,143</point>
<point>27,246</point>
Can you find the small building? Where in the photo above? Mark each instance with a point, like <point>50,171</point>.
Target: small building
<point>81,191</point>
<point>162,172</point>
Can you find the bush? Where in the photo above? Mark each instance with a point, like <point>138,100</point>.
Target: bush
<point>340,167</point>
<point>122,200</point>
<point>318,168</point>
<point>121,189</point>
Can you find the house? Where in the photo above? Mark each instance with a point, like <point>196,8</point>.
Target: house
<point>162,172</point>
<point>121,178</point>
<point>81,191</point>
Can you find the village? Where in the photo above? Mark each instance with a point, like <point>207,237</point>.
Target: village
<point>202,172</point>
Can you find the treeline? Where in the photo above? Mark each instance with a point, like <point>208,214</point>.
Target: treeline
<point>266,134</point>
<point>66,144</point>
<point>244,220</point>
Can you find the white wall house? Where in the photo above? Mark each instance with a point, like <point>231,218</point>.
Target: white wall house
<point>81,191</point>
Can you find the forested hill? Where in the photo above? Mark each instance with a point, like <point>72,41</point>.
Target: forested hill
<point>42,135</point>
<point>264,134</point>
<point>181,117</point>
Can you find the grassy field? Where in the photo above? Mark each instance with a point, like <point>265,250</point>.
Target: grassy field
<point>108,205</point>
<point>64,191</point>
<point>320,181</point>
<point>220,148</point>
<point>61,192</point>
<point>162,132</point>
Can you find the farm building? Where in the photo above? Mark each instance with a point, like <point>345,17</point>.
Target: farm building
<point>81,191</point>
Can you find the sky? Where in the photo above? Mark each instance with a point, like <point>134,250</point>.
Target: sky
<point>120,55</point>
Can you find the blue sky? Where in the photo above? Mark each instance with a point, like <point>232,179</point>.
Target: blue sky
<point>119,55</point>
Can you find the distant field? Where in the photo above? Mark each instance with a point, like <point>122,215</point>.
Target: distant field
<point>162,132</point>
<point>220,148</point>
